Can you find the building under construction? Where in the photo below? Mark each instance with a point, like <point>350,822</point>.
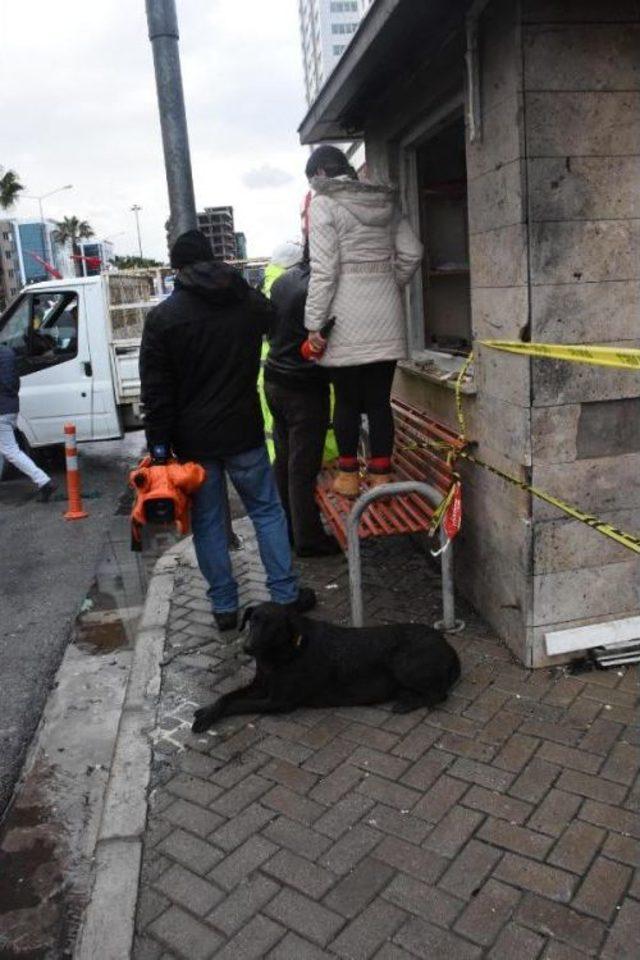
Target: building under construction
<point>217,225</point>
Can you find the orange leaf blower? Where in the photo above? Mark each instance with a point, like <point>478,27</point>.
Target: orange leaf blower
<point>163,493</point>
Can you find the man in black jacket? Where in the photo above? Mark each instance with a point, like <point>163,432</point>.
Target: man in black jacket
<point>9,407</point>
<point>297,392</point>
<point>199,362</point>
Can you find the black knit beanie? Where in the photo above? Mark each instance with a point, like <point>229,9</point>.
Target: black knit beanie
<point>190,247</point>
<point>331,160</point>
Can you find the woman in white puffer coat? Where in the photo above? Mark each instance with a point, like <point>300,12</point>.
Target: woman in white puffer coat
<point>363,251</point>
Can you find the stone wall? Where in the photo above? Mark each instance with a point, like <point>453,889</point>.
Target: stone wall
<point>494,550</point>
<point>493,553</point>
<point>494,558</point>
<point>554,225</point>
<point>581,102</point>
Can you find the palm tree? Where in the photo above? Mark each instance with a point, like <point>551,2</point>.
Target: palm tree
<point>70,228</point>
<point>10,187</point>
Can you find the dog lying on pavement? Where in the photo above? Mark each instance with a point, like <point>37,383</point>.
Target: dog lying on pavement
<point>309,663</point>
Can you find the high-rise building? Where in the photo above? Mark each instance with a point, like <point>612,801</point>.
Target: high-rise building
<point>241,246</point>
<point>217,225</point>
<point>326,29</point>
<point>25,247</point>
<point>10,276</point>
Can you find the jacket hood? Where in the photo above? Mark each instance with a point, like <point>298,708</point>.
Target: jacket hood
<point>373,204</point>
<point>216,282</point>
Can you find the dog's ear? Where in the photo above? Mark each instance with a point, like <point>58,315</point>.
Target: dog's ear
<point>248,613</point>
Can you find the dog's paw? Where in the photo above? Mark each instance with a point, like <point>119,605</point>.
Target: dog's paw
<point>202,720</point>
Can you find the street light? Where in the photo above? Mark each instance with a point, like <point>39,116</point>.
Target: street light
<point>135,209</point>
<point>45,236</point>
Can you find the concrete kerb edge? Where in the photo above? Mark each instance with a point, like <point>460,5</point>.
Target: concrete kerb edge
<point>118,852</point>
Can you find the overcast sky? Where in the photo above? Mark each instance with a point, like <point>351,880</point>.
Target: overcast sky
<point>78,105</point>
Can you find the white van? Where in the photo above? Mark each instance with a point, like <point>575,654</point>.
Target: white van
<point>77,342</point>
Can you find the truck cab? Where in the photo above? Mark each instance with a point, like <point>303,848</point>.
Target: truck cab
<point>58,332</point>
<point>77,342</point>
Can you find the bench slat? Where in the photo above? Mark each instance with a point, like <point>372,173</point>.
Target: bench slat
<point>412,460</point>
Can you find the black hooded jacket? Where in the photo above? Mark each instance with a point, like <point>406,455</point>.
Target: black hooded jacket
<point>199,362</point>
<point>284,364</point>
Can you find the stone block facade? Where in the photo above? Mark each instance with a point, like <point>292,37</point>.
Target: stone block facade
<point>581,89</point>
<point>554,243</point>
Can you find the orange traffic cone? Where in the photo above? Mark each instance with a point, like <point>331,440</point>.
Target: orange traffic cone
<point>75,511</point>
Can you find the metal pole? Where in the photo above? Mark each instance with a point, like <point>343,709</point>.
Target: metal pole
<point>162,20</point>
<point>434,497</point>
<point>136,208</point>
<point>163,33</point>
<point>448,621</point>
<point>48,252</point>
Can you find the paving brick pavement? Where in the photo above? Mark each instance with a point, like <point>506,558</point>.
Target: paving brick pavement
<point>502,825</point>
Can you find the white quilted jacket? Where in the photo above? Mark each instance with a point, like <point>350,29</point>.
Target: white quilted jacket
<point>362,252</point>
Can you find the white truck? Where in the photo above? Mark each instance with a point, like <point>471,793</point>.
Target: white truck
<point>78,342</point>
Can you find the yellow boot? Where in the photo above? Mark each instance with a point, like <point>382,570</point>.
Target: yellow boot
<point>347,483</point>
<point>379,479</point>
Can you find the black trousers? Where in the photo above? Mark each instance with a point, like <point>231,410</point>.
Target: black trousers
<point>300,423</point>
<point>358,390</point>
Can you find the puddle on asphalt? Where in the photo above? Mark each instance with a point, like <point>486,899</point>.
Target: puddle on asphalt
<point>49,830</point>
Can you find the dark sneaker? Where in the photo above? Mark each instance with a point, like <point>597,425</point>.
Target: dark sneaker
<point>226,621</point>
<point>323,548</point>
<point>46,491</point>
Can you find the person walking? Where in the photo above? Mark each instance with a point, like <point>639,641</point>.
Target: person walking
<point>199,362</point>
<point>298,396</point>
<point>9,408</point>
<point>363,251</point>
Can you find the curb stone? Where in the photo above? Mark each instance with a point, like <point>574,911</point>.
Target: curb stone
<point>108,925</point>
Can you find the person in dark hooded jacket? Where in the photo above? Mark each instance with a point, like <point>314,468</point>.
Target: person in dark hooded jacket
<point>297,392</point>
<point>199,363</point>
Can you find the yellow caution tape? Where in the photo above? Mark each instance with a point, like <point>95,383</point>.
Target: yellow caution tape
<point>625,539</point>
<point>620,357</point>
<point>540,349</point>
<point>441,509</point>
<point>462,427</point>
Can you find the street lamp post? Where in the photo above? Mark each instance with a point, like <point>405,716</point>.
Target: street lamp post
<point>48,252</point>
<point>162,20</point>
<point>135,209</point>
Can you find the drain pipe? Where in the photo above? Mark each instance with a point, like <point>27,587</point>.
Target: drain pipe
<point>448,622</point>
<point>163,34</point>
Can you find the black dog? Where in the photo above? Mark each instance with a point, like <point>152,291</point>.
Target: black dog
<point>308,663</point>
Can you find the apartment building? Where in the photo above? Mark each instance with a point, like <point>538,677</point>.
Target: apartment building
<point>326,29</point>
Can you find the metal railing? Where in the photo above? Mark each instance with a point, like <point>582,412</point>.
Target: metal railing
<point>404,487</point>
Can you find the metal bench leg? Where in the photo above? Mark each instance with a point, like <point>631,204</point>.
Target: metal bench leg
<point>448,621</point>
<point>355,573</point>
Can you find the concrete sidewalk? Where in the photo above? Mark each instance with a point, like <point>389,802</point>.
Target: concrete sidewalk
<point>502,825</point>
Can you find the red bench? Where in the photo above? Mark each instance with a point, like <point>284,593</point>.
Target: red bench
<point>422,466</point>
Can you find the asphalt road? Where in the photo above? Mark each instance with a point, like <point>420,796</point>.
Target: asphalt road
<point>46,569</point>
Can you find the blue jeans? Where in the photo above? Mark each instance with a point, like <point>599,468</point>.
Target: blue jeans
<point>253,478</point>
